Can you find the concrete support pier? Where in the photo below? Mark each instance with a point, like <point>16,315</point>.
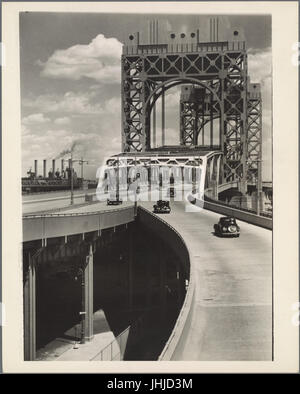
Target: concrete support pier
<point>88,295</point>
<point>30,311</point>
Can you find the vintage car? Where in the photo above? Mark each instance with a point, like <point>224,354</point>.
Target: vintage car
<point>114,201</point>
<point>162,206</point>
<point>227,227</point>
<point>171,192</point>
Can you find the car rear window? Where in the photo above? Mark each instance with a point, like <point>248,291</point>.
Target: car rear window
<point>228,220</point>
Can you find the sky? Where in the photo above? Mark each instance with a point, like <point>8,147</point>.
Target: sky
<point>70,81</point>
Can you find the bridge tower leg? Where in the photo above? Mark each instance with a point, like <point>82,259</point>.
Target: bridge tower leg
<point>218,176</point>
<point>163,121</point>
<point>30,310</point>
<point>254,139</point>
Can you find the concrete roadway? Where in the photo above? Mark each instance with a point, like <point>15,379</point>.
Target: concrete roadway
<point>38,202</point>
<point>59,202</point>
<point>232,307</point>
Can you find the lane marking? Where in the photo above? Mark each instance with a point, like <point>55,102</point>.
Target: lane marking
<point>232,304</point>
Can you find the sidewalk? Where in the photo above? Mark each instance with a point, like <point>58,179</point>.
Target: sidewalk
<point>66,348</point>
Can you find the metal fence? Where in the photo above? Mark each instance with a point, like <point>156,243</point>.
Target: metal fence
<point>127,339</point>
<point>115,350</point>
<point>238,206</point>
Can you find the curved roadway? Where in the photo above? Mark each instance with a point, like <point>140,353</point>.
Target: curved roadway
<point>231,316</point>
<point>231,311</point>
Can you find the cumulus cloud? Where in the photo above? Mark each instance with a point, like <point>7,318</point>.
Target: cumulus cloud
<point>260,71</point>
<point>260,64</point>
<point>62,121</point>
<point>173,98</point>
<point>93,146</point>
<point>171,135</point>
<point>70,102</point>
<point>35,119</point>
<point>76,103</point>
<point>96,137</point>
<point>99,60</point>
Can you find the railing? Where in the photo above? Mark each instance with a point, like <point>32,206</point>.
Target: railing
<point>58,198</point>
<point>127,340</point>
<point>228,210</point>
<point>115,350</point>
<point>36,227</point>
<point>230,205</point>
<point>178,47</point>
<point>176,241</point>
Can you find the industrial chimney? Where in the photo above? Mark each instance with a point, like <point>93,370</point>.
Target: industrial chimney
<point>62,166</point>
<point>53,166</point>
<point>36,168</point>
<point>45,168</point>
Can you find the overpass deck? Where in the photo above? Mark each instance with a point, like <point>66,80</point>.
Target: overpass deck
<point>231,310</point>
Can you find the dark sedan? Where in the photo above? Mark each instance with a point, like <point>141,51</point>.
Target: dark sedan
<point>114,201</point>
<point>227,227</point>
<point>162,206</point>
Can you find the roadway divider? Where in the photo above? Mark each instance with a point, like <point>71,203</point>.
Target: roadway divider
<point>248,217</point>
<point>177,243</point>
<point>58,198</point>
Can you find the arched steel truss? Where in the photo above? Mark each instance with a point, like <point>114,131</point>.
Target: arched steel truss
<point>148,72</point>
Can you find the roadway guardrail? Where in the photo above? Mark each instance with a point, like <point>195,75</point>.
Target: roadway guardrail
<point>244,215</point>
<point>175,240</point>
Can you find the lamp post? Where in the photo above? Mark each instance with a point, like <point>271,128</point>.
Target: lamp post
<point>258,182</point>
<point>81,162</point>
<point>80,274</point>
<point>72,161</point>
<point>72,179</point>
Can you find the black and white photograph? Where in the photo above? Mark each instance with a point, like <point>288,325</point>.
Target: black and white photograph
<point>146,174</point>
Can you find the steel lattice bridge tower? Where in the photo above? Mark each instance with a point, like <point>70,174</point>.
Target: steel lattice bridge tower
<point>220,110</point>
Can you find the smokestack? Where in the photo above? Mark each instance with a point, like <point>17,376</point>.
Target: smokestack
<point>36,168</point>
<point>62,165</point>
<point>45,168</point>
<point>53,166</point>
<point>70,166</point>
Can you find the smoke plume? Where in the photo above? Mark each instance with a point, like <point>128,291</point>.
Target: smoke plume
<point>67,151</point>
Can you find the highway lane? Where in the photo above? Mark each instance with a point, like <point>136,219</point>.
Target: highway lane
<point>94,207</point>
<point>54,194</point>
<point>59,202</point>
<point>231,315</point>
<point>231,312</point>
<point>35,203</point>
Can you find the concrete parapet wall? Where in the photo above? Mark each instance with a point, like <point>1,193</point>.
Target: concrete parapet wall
<point>37,227</point>
<point>177,243</point>
<point>240,215</point>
